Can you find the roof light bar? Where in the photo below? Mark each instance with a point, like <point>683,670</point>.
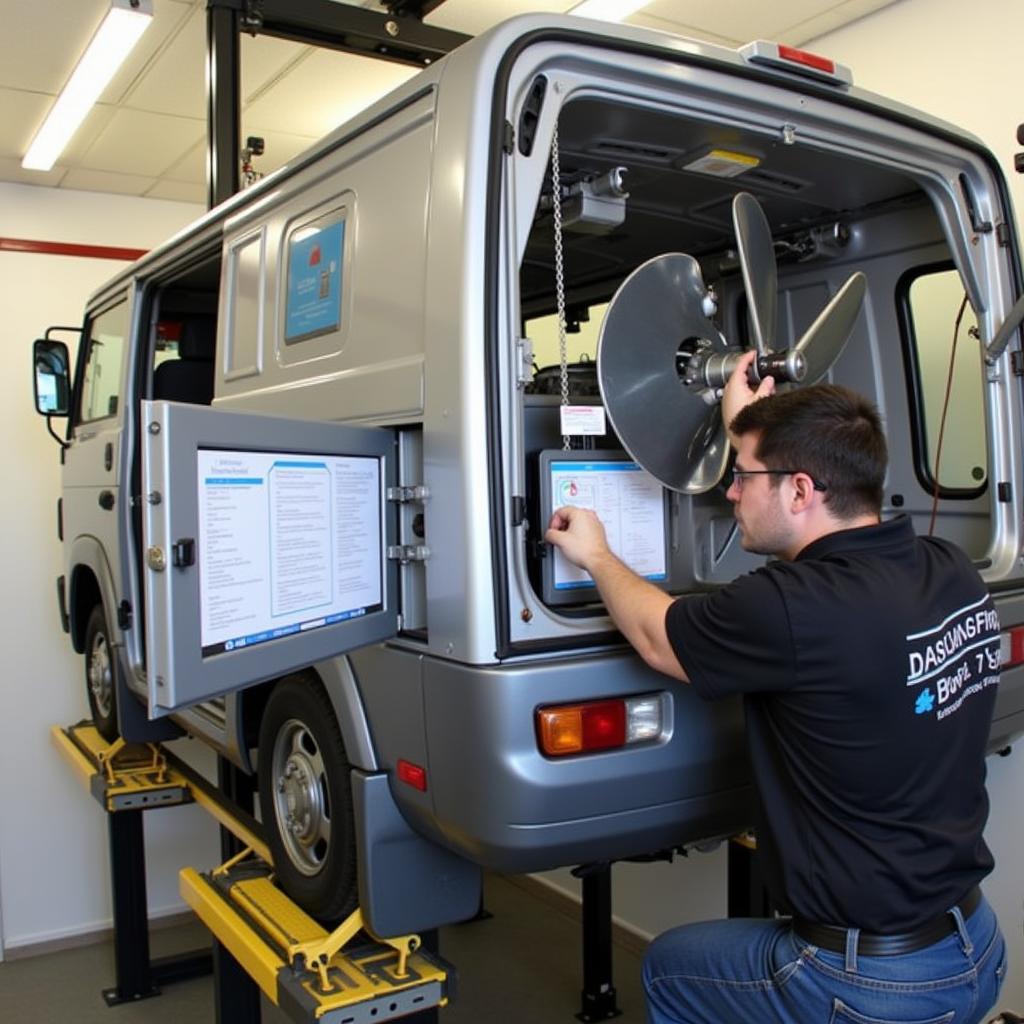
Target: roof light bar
<point>110,45</point>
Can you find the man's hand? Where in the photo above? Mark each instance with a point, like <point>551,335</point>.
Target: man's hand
<point>579,535</point>
<point>636,606</point>
<point>739,394</point>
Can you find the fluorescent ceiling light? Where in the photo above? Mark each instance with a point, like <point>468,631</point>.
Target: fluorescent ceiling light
<point>118,33</point>
<point>608,10</point>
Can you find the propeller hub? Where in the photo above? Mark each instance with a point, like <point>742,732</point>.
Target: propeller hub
<point>709,369</point>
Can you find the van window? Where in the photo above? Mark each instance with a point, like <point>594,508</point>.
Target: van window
<point>583,327</point>
<point>101,373</point>
<point>931,302</point>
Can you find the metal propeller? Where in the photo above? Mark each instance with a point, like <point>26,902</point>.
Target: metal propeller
<point>661,362</point>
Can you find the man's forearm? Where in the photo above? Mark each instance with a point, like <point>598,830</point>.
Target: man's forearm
<point>638,609</point>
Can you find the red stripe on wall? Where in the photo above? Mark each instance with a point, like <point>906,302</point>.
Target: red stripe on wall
<point>99,252</point>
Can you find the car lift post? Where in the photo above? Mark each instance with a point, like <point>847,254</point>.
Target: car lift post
<point>136,975</point>
<point>747,894</point>
<point>236,995</point>
<point>598,998</point>
<point>132,966</point>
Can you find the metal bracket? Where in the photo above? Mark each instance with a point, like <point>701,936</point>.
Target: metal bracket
<point>404,494</point>
<point>317,954</point>
<point>107,760</point>
<point>406,553</point>
<point>413,8</point>
<point>524,346</point>
<point>251,19</point>
<point>1005,332</point>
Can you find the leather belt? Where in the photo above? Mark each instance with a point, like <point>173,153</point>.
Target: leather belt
<point>833,938</point>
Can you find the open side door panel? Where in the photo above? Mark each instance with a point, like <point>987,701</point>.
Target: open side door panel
<point>265,547</point>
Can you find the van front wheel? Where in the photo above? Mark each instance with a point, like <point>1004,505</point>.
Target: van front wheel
<point>306,799</point>
<point>100,681</point>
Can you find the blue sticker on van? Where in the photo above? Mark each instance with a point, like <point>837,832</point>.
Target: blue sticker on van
<point>313,304</point>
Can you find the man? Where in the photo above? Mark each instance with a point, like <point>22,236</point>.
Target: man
<point>868,660</point>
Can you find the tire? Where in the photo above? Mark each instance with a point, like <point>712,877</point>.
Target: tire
<point>100,678</point>
<point>306,799</point>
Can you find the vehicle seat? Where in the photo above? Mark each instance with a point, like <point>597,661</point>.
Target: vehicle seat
<point>189,378</point>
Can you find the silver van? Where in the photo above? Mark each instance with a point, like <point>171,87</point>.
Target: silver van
<point>314,439</point>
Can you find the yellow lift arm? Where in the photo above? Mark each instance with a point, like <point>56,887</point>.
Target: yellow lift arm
<point>347,976</point>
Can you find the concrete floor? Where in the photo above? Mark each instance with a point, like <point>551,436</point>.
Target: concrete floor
<point>522,965</point>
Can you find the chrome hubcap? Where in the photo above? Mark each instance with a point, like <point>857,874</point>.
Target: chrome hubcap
<point>99,675</point>
<point>301,801</point>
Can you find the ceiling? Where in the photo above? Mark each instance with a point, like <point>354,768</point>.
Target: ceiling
<point>147,134</point>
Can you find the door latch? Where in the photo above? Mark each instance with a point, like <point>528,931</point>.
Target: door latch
<point>183,553</point>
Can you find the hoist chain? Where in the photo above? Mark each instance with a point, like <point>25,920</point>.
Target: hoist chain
<point>556,214</point>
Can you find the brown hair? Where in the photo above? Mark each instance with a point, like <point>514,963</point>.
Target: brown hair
<point>829,432</point>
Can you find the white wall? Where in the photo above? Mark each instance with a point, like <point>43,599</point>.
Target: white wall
<point>53,842</point>
<point>954,61</point>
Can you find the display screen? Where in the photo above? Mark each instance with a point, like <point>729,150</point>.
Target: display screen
<point>630,504</point>
<point>287,543</point>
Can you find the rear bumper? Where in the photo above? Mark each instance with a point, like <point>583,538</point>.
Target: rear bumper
<point>494,798</point>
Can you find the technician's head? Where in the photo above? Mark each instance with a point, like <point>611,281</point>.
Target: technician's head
<point>808,449</point>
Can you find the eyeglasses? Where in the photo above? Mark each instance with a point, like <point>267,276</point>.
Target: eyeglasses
<point>739,474</point>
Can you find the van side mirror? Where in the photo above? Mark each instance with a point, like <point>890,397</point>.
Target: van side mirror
<point>52,378</point>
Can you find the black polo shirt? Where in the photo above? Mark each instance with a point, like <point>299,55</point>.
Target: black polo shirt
<point>868,667</point>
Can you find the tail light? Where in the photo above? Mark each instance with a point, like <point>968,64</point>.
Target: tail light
<point>1011,647</point>
<point>599,725</point>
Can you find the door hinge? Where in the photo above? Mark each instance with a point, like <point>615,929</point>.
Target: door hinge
<point>518,510</point>
<point>153,498</point>
<point>526,367</point>
<point>508,141</point>
<point>413,492</point>
<point>406,553</point>
<point>124,616</point>
<point>1017,363</point>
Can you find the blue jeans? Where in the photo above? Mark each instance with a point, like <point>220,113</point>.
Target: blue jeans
<point>746,971</point>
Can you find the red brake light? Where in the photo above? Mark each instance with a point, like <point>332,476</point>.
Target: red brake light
<point>789,59</point>
<point>604,725</point>
<point>810,60</point>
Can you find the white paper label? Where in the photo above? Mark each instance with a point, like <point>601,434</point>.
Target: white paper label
<point>583,419</point>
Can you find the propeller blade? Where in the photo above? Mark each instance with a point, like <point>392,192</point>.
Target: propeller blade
<point>823,342</point>
<point>674,431</point>
<point>757,260</point>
